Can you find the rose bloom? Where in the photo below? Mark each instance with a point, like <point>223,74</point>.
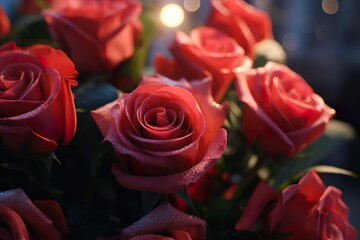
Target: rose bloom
<point>307,210</point>
<point>36,103</point>
<point>167,133</point>
<point>205,51</point>
<point>165,223</point>
<point>4,22</point>
<point>23,219</point>
<point>98,35</point>
<point>246,24</point>
<point>282,114</point>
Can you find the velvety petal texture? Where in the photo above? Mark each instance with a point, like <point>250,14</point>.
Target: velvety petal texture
<point>306,210</point>
<point>21,219</point>
<point>246,24</point>
<point>166,219</point>
<point>206,51</point>
<point>36,103</point>
<point>97,35</point>
<point>282,114</point>
<point>160,133</point>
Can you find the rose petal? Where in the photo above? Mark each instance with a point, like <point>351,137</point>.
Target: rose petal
<point>173,183</point>
<point>41,145</point>
<point>101,116</point>
<point>12,108</point>
<point>54,211</point>
<point>166,218</point>
<point>262,196</point>
<point>18,201</point>
<point>214,114</point>
<point>10,219</point>
<point>157,162</point>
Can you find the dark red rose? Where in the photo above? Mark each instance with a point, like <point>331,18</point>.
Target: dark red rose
<point>246,24</point>
<point>36,102</point>
<point>307,210</point>
<point>206,51</point>
<point>23,219</point>
<point>282,114</point>
<point>167,133</point>
<point>97,35</point>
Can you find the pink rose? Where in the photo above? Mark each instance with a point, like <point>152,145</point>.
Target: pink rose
<point>246,24</point>
<point>36,102</point>
<point>165,219</point>
<point>23,219</point>
<point>282,114</point>
<point>4,23</point>
<point>307,210</point>
<point>204,50</point>
<point>97,35</point>
<point>166,133</point>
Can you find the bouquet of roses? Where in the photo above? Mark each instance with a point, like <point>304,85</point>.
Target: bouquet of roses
<point>220,140</point>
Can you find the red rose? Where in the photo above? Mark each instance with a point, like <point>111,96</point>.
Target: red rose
<point>23,219</point>
<point>4,23</point>
<point>97,35</point>
<point>36,102</point>
<point>166,133</point>
<point>204,50</point>
<point>165,219</point>
<point>307,210</point>
<point>282,113</point>
<point>246,24</point>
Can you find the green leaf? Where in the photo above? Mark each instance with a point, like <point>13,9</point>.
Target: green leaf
<point>336,133</point>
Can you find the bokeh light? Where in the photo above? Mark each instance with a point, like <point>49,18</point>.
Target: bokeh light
<point>330,6</point>
<point>172,15</point>
<point>192,5</point>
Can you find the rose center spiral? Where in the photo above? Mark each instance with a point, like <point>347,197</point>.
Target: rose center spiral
<point>160,117</point>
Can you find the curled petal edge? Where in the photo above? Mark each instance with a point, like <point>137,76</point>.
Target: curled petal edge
<point>173,183</point>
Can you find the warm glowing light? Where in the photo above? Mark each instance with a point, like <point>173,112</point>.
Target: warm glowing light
<point>172,15</point>
<point>330,6</point>
<point>192,5</point>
